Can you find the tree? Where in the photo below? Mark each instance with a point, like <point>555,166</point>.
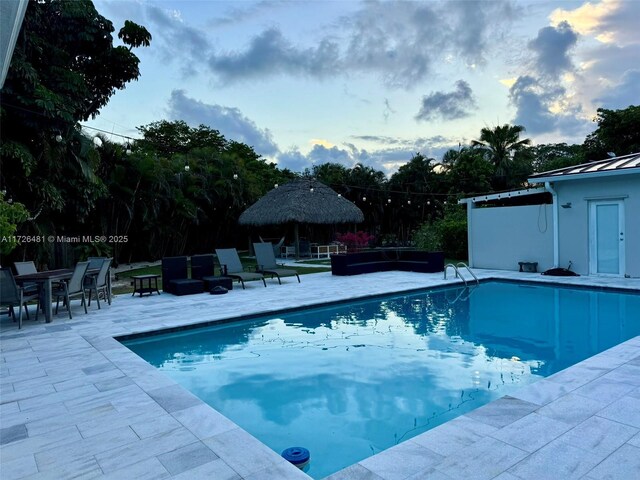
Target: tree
<point>64,70</point>
<point>11,214</point>
<point>500,144</point>
<point>470,173</point>
<point>552,156</point>
<point>618,133</point>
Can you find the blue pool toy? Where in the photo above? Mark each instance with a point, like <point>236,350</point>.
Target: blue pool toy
<point>299,456</point>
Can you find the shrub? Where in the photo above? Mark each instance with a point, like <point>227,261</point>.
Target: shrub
<point>448,234</point>
<point>355,241</point>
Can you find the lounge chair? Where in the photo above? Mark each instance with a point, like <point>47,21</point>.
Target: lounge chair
<point>13,296</point>
<point>72,288</point>
<point>267,263</point>
<point>232,267</point>
<point>175,277</point>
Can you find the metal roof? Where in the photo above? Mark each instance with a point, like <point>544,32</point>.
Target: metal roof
<point>611,166</point>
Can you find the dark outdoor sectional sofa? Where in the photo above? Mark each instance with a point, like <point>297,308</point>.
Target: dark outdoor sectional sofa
<point>383,260</point>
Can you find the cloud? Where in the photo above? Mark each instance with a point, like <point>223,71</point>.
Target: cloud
<point>388,159</point>
<point>229,121</point>
<point>626,93</point>
<point>448,106</point>
<point>399,44</point>
<point>178,40</point>
<point>270,53</point>
<point>608,21</point>
<point>552,46</point>
<point>533,101</point>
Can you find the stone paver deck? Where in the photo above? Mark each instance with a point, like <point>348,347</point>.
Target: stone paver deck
<point>75,403</point>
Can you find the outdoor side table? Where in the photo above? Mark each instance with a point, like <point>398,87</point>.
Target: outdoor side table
<point>139,287</point>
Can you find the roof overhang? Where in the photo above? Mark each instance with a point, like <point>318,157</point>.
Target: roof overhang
<point>580,176</point>
<point>11,16</point>
<point>503,195</point>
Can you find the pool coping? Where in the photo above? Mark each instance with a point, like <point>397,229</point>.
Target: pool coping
<point>110,414</point>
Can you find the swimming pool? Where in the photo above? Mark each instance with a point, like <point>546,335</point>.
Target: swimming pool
<point>347,381</point>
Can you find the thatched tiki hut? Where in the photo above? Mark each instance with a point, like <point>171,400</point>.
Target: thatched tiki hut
<point>303,200</point>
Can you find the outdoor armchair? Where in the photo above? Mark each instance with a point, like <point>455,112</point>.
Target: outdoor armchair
<point>72,288</point>
<point>267,265</point>
<point>231,266</point>
<point>175,277</point>
<point>203,268</point>
<point>13,296</point>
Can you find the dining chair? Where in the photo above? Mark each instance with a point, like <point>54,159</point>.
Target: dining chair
<point>73,287</point>
<point>13,296</point>
<point>99,282</point>
<point>26,268</point>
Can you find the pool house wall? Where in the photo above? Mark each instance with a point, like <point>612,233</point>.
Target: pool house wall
<point>573,222</point>
<point>500,237</point>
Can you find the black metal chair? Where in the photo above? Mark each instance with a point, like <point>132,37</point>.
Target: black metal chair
<point>73,287</point>
<point>13,296</point>
<point>99,282</point>
<point>175,277</point>
<point>26,268</point>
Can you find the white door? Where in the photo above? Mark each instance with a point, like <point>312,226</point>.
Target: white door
<point>606,237</point>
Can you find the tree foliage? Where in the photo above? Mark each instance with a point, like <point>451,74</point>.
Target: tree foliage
<point>64,70</point>
<point>501,146</point>
<point>618,133</point>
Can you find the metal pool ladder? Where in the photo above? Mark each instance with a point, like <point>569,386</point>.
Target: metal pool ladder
<point>457,268</point>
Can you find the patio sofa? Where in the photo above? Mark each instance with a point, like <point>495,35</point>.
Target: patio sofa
<point>383,260</point>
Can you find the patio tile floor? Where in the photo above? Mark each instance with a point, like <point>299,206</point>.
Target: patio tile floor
<point>75,402</point>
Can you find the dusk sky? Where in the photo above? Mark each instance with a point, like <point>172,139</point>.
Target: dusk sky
<point>306,82</point>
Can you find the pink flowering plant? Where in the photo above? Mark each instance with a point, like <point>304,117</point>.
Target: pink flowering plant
<point>355,241</point>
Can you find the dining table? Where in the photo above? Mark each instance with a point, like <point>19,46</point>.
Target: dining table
<point>45,281</point>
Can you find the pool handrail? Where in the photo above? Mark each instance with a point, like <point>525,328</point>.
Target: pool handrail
<point>458,274</point>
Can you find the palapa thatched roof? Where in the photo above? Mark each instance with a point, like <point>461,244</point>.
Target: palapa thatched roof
<point>295,202</point>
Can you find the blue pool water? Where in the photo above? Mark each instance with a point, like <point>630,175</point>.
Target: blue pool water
<point>349,380</point>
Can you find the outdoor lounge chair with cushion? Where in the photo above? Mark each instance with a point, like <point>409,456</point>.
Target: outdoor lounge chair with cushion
<point>232,267</point>
<point>13,296</point>
<point>99,282</point>
<point>175,277</point>
<point>267,263</point>
<point>73,287</point>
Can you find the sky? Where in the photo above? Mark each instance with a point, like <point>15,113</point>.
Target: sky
<point>375,82</point>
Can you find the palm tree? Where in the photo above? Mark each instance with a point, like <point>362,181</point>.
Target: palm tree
<point>500,144</point>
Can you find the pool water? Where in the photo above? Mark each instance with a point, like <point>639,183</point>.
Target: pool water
<point>347,381</point>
